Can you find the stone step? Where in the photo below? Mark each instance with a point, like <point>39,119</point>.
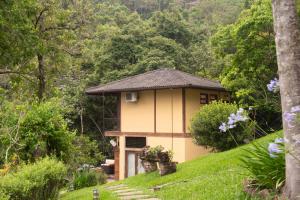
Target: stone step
<point>135,197</point>
<point>124,190</point>
<point>130,193</point>
<point>115,186</point>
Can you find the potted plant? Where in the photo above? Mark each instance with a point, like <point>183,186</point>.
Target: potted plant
<point>166,165</point>
<point>149,158</point>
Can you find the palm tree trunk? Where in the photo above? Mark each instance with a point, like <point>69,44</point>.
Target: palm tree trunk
<point>288,57</point>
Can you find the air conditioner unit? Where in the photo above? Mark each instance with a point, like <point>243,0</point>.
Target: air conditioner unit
<point>131,96</point>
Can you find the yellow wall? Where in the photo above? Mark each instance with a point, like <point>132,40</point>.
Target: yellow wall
<point>184,149</point>
<point>166,142</point>
<point>164,111</point>
<point>193,102</point>
<point>192,150</point>
<point>122,157</point>
<point>138,116</point>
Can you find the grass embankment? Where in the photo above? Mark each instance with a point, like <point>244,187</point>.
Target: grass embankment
<point>216,176</point>
<point>87,194</point>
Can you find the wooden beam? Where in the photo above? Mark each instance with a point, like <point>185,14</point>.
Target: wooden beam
<point>183,111</point>
<point>146,134</point>
<point>154,111</point>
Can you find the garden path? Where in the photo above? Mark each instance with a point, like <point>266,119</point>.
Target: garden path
<point>126,193</point>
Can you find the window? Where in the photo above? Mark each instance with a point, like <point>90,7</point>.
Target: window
<point>203,98</point>
<point>135,142</point>
<point>213,97</point>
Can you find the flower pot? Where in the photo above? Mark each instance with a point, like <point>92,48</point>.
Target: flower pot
<point>167,168</point>
<point>149,166</point>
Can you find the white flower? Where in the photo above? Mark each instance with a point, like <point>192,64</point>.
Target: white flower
<point>223,127</point>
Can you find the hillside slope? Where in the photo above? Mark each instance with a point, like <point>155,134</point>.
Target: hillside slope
<point>217,176</point>
<point>213,177</point>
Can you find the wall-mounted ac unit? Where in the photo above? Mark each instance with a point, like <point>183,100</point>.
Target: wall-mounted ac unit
<point>131,96</point>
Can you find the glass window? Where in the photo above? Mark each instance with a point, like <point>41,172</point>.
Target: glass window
<point>203,98</point>
<point>135,142</point>
<point>213,97</point>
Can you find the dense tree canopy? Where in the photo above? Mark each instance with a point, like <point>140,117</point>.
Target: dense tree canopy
<point>52,48</point>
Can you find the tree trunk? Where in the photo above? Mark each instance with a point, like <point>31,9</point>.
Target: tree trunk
<point>41,77</point>
<point>288,57</point>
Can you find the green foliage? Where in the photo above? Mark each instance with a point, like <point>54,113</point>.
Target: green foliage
<point>85,151</point>
<point>217,176</point>
<point>205,127</point>
<point>246,57</point>
<point>150,153</point>
<point>35,130</point>
<point>265,171</point>
<point>87,178</point>
<point>41,180</point>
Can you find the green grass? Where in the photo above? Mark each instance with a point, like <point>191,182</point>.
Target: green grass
<point>213,177</point>
<point>87,194</point>
<point>216,176</point>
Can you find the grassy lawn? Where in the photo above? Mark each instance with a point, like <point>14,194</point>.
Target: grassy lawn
<point>87,194</point>
<point>213,177</point>
<point>216,176</point>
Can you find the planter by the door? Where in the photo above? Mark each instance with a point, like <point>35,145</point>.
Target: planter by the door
<point>167,168</point>
<point>149,166</point>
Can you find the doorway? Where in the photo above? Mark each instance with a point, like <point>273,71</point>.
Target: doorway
<point>133,164</point>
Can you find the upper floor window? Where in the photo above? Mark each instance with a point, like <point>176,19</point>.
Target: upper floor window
<point>203,98</point>
<point>213,97</point>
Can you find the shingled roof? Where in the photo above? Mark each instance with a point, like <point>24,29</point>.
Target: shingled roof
<point>157,79</point>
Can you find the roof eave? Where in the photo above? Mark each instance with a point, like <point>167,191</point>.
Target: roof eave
<point>97,92</point>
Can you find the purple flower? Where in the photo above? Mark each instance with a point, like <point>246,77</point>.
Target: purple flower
<point>289,117</point>
<point>223,127</point>
<point>240,111</point>
<point>295,109</point>
<point>274,149</point>
<point>273,86</point>
<point>231,120</point>
<point>279,140</point>
<point>231,126</point>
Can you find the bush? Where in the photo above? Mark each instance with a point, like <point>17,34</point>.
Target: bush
<point>205,127</point>
<point>45,128</point>
<point>34,130</point>
<point>87,178</point>
<point>267,169</point>
<point>85,151</point>
<point>41,180</point>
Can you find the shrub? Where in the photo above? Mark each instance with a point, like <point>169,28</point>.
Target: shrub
<point>85,151</point>
<point>34,130</point>
<point>87,178</point>
<point>266,165</point>
<point>205,127</point>
<point>150,153</point>
<point>45,128</point>
<point>41,180</point>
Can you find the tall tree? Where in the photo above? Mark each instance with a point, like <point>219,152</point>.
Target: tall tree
<point>286,26</point>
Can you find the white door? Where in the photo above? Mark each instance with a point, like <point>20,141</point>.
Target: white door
<point>131,164</point>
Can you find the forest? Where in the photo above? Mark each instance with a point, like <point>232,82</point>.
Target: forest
<point>52,50</point>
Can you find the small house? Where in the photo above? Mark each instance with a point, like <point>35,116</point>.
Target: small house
<point>155,108</point>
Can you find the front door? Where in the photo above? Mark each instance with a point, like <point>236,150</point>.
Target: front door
<point>133,164</point>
